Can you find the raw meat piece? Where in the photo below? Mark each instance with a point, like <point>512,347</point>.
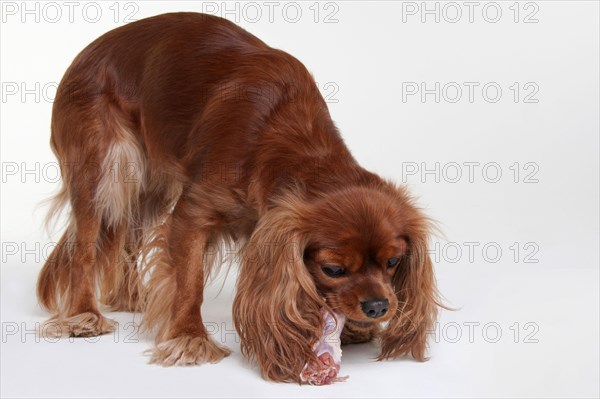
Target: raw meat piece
<point>329,353</point>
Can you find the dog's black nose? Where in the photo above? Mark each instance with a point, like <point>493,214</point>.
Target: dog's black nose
<point>375,308</point>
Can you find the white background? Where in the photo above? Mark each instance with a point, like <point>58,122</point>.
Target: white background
<point>369,54</point>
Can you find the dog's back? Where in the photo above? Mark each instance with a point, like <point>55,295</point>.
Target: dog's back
<point>144,110</point>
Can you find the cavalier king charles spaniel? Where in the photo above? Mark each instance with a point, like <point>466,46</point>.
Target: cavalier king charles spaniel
<point>181,134</point>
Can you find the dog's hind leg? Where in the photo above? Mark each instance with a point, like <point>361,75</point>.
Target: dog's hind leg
<point>102,165</point>
<point>78,314</point>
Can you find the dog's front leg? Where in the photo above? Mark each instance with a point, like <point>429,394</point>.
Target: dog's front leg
<point>184,340</point>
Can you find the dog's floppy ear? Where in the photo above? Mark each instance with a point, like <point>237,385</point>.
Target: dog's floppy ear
<point>415,287</point>
<point>277,310</point>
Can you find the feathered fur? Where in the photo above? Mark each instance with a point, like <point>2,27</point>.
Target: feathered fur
<point>180,134</point>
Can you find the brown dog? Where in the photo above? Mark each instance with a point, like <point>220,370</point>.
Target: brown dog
<point>183,132</point>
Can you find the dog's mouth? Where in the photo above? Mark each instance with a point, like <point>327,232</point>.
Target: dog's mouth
<point>360,324</point>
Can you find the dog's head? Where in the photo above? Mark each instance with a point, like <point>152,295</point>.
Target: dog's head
<point>359,240</point>
<point>359,251</point>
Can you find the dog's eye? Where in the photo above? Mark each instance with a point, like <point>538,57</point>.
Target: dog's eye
<point>392,262</point>
<point>334,271</point>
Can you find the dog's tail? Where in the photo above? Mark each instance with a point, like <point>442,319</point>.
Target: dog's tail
<point>53,280</point>
<point>159,278</point>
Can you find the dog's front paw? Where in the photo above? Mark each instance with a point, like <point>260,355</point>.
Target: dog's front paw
<point>86,324</point>
<point>187,351</point>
